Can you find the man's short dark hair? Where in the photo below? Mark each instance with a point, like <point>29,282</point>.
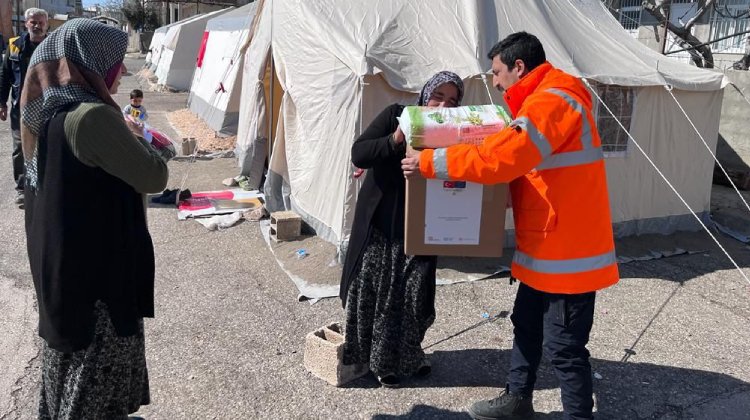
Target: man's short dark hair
<point>136,93</point>
<point>519,46</point>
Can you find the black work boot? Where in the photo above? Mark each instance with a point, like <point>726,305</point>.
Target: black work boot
<point>506,406</point>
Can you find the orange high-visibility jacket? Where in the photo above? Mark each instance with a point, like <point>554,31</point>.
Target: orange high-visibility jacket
<point>551,156</point>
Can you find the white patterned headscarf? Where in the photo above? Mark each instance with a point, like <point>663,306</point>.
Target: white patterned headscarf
<point>68,67</point>
<point>438,80</point>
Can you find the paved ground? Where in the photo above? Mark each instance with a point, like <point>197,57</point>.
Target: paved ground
<point>670,340</point>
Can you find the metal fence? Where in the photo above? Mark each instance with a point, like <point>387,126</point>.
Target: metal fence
<point>730,17</point>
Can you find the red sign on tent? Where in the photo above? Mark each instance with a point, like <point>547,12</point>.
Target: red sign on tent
<point>202,51</point>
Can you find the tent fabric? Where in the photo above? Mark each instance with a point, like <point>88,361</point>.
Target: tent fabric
<point>238,19</point>
<point>157,42</point>
<point>256,110</point>
<point>216,86</point>
<point>636,191</point>
<point>180,47</point>
<point>339,64</point>
<point>154,48</point>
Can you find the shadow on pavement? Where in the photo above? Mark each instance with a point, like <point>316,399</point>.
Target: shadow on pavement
<point>644,390</point>
<point>626,390</point>
<point>424,412</point>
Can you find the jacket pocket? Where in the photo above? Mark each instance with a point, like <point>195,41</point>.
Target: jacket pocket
<point>535,220</point>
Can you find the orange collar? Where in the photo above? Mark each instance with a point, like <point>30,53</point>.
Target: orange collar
<point>516,94</point>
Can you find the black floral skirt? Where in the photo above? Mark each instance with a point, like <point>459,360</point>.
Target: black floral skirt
<point>389,308</point>
<point>106,380</point>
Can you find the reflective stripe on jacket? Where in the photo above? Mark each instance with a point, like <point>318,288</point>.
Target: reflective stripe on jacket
<point>551,156</point>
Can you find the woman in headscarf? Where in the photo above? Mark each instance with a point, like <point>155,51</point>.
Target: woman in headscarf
<point>389,297</point>
<point>90,252</point>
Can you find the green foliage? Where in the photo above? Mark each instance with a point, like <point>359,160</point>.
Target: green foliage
<point>142,16</point>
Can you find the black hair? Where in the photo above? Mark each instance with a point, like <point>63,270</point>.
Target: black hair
<point>519,46</point>
<point>136,93</point>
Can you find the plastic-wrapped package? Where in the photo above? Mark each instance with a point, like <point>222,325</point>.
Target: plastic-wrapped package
<point>158,139</point>
<point>152,135</point>
<point>165,146</point>
<point>428,127</point>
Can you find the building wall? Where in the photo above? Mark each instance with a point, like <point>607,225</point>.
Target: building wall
<point>52,7</point>
<point>191,9</point>
<point>734,147</point>
<point>171,12</point>
<point>62,7</point>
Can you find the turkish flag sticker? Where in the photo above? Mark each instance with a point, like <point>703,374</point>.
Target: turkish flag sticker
<point>454,184</point>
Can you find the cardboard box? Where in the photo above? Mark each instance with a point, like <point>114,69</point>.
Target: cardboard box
<point>454,218</point>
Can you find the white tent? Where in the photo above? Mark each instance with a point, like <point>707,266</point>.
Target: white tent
<point>340,63</point>
<point>180,46</point>
<point>156,46</point>
<point>215,91</point>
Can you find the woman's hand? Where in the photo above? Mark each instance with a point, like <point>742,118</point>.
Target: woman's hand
<point>398,135</point>
<point>410,165</point>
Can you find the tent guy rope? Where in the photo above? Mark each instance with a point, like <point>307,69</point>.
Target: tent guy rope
<point>630,136</point>
<point>487,87</point>
<point>669,89</point>
<point>741,93</point>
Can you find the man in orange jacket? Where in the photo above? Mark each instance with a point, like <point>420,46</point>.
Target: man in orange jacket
<point>551,156</point>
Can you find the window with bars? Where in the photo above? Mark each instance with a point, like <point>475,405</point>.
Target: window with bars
<point>730,17</point>
<point>621,101</point>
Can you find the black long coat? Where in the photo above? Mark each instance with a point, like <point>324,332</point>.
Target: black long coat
<point>382,195</point>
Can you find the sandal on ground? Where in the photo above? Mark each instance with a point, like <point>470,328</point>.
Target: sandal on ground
<point>389,380</point>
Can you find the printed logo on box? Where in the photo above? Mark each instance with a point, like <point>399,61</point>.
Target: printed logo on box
<point>453,185</point>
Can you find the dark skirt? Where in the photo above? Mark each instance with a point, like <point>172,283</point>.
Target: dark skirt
<point>390,306</point>
<point>106,380</point>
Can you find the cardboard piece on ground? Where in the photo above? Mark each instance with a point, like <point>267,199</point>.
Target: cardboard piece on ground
<point>219,202</point>
<point>453,219</point>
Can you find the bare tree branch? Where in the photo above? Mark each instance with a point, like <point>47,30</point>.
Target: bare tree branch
<point>701,54</point>
<point>707,4</point>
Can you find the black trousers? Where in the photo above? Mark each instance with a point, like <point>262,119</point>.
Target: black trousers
<point>18,168</point>
<point>560,325</point>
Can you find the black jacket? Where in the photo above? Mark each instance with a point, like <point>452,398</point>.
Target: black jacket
<point>380,203</point>
<point>13,72</point>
